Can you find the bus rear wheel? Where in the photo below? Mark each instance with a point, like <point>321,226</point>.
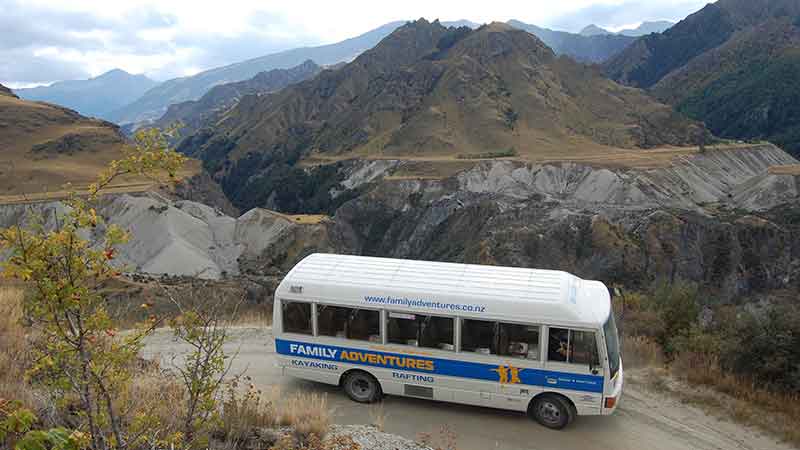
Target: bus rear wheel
<point>362,387</point>
<point>552,411</point>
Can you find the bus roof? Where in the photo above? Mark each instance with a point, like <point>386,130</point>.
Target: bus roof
<point>467,290</point>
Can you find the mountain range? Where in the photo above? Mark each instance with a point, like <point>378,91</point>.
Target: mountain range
<point>734,65</point>
<point>153,104</point>
<point>590,49</point>
<point>435,93</point>
<point>645,28</point>
<point>193,114</point>
<point>95,97</point>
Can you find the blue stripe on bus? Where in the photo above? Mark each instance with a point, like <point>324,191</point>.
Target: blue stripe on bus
<point>437,366</point>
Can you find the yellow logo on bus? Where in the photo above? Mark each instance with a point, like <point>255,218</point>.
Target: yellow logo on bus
<point>400,362</point>
<point>508,374</point>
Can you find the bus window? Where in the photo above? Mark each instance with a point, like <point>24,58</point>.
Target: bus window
<point>558,344</point>
<point>296,317</point>
<point>572,346</point>
<point>420,330</point>
<point>584,348</point>
<point>519,341</point>
<point>349,323</point>
<point>478,336</point>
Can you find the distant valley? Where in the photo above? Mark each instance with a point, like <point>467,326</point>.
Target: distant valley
<point>433,93</point>
<point>500,143</point>
<point>660,158</point>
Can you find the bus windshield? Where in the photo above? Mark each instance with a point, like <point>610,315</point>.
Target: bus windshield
<point>612,345</point>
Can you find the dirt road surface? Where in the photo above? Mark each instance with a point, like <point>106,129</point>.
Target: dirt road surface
<point>644,421</point>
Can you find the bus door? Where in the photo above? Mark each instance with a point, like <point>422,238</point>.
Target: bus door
<point>573,363</point>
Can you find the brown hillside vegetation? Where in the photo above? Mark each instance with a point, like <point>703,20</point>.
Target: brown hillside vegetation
<point>6,91</point>
<point>430,91</point>
<point>733,65</point>
<point>194,113</point>
<point>44,146</point>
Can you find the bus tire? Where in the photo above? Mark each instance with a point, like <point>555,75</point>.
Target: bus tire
<point>361,387</point>
<point>552,411</point>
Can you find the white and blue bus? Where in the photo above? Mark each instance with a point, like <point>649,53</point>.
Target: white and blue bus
<point>538,341</point>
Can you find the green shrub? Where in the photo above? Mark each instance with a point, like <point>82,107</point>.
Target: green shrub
<point>677,308</point>
<point>766,347</point>
<point>506,153</point>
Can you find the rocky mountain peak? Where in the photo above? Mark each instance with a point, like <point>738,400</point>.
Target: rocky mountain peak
<point>503,40</point>
<point>405,45</point>
<point>593,30</point>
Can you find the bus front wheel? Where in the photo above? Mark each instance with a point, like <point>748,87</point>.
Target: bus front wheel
<point>361,387</point>
<point>552,411</point>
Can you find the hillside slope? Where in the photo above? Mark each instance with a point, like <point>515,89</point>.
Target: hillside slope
<point>733,65</point>
<point>427,91</point>
<point>44,146</point>
<point>192,114</point>
<point>95,97</point>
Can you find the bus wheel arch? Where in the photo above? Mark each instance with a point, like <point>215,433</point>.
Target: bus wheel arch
<point>552,410</point>
<point>361,386</point>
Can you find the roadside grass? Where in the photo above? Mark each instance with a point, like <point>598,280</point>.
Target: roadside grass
<point>254,316</point>
<point>14,354</point>
<point>307,413</point>
<point>698,380</point>
<point>745,399</point>
<point>641,351</point>
<point>157,394</point>
<point>246,410</point>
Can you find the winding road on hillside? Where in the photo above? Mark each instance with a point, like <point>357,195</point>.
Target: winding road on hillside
<point>645,420</point>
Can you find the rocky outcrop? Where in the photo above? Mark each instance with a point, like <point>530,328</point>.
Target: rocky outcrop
<point>201,188</point>
<point>717,176</point>
<point>709,218</point>
<point>727,219</point>
<point>185,238</point>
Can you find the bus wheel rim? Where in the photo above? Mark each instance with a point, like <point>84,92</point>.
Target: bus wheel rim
<point>549,412</point>
<point>361,387</point>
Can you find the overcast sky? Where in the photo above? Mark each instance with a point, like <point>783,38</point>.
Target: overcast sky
<point>42,41</point>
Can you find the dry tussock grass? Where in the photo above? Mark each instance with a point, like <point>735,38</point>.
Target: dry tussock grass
<point>246,410</point>
<point>641,351</point>
<point>14,349</point>
<point>308,414</point>
<point>698,379</point>
<point>774,412</point>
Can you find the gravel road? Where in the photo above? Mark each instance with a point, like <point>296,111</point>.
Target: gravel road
<point>645,420</point>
